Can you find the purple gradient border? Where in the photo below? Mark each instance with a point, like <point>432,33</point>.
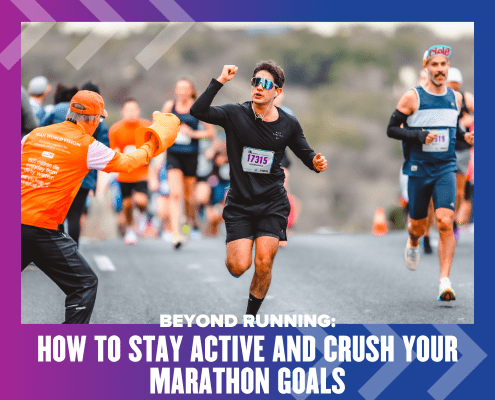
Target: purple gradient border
<point>23,377</point>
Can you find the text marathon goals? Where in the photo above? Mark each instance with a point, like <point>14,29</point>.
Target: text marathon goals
<point>210,364</point>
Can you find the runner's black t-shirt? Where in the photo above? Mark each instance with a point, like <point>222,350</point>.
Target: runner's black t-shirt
<point>244,130</point>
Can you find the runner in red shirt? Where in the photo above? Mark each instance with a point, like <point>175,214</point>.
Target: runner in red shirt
<point>134,184</point>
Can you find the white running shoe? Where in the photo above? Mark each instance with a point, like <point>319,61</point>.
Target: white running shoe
<point>195,234</point>
<point>445,292</point>
<point>411,256</point>
<point>130,237</point>
<point>142,221</point>
<point>176,241</point>
<point>167,236</point>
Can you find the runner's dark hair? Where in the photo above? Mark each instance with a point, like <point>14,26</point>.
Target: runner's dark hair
<point>93,87</point>
<point>64,94</point>
<point>271,67</point>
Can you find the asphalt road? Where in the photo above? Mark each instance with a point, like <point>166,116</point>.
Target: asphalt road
<point>356,279</point>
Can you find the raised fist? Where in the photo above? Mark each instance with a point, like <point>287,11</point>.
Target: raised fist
<point>227,73</point>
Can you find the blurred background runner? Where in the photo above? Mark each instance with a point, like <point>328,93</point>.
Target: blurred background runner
<point>182,162</point>
<point>134,184</point>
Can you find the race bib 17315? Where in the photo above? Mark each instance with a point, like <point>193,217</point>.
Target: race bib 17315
<point>257,161</point>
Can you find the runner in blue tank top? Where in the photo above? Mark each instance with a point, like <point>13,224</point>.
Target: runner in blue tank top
<point>426,122</point>
<point>182,159</point>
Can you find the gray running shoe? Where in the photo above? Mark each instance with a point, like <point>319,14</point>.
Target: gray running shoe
<point>411,256</point>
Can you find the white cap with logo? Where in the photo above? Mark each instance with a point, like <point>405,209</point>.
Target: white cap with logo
<point>38,85</point>
<point>454,75</point>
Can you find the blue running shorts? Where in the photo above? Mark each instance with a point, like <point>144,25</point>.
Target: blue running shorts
<point>421,189</point>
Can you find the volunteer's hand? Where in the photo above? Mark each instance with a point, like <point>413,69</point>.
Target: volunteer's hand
<point>320,162</point>
<point>227,73</point>
<point>430,138</point>
<point>469,138</point>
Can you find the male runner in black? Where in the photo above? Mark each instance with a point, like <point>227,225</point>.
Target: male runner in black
<point>257,207</point>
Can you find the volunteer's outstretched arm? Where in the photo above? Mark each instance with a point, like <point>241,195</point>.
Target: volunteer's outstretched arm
<point>102,158</point>
<point>163,132</point>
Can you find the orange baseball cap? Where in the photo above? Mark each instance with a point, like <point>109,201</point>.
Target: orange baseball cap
<point>91,102</point>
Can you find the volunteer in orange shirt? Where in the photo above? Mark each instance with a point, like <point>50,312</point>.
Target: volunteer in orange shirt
<point>134,184</point>
<point>54,161</point>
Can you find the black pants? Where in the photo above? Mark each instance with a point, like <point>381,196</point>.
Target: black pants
<point>74,214</point>
<point>57,256</point>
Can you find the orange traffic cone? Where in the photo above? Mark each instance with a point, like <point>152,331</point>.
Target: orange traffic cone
<point>380,227</point>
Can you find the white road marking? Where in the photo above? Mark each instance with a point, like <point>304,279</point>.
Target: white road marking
<point>104,263</point>
<point>194,266</point>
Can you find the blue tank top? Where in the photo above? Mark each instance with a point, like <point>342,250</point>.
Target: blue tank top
<point>184,144</point>
<point>438,113</point>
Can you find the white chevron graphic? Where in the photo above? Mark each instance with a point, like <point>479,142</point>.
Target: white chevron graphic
<point>391,370</point>
<point>319,334</point>
<point>88,48</point>
<point>472,355</point>
<point>102,10</point>
<point>30,35</point>
<point>94,41</point>
<point>162,43</point>
<point>169,35</point>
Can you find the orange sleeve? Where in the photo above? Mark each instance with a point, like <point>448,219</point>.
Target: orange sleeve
<point>129,162</point>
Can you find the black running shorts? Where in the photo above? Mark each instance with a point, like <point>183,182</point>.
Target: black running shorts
<point>186,162</point>
<point>127,188</point>
<point>250,221</point>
